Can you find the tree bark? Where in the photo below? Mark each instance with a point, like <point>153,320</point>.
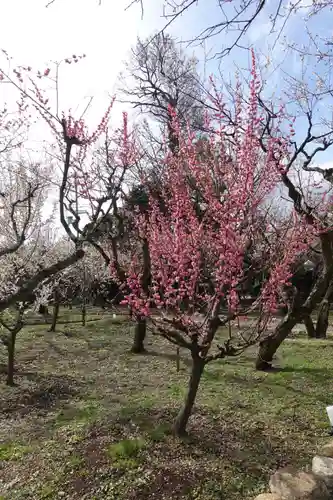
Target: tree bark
<point>269,345</point>
<point>322,319</point>
<point>139,336</point>
<point>11,358</point>
<point>55,317</point>
<point>43,310</point>
<point>141,325</point>
<point>310,329</point>
<point>323,313</point>
<point>180,424</point>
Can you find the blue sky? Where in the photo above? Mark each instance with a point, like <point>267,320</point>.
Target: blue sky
<point>275,60</point>
<point>106,33</point>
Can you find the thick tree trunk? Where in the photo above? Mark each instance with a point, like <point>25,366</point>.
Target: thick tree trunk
<point>141,325</point>
<point>322,319</point>
<point>183,416</point>
<point>139,336</point>
<point>269,345</point>
<point>11,358</point>
<point>322,286</point>
<point>55,317</point>
<point>310,329</point>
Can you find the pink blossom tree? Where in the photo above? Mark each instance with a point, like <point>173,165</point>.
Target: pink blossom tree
<point>215,207</point>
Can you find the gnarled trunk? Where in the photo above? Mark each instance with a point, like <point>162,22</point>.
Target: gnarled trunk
<point>43,309</point>
<point>180,424</point>
<point>299,310</point>
<point>310,329</point>
<point>270,344</point>
<point>139,336</point>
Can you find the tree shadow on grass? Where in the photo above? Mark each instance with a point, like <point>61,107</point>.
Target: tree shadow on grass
<point>42,393</point>
<point>241,442</point>
<point>316,374</point>
<point>267,386</point>
<point>248,448</point>
<point>169,356</point>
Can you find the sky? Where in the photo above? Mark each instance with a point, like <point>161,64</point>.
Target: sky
<point>34,35</point>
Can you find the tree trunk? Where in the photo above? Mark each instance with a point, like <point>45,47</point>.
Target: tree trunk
<point>310,329</point>
<point>84,313</point>
<point>322,319</point>
<point>139,336</point>
<point>183,416</point>
<point>269,345</point>
<point>141,325</point>
<point>43,309</point>
<point>11,357</point>
<point>55,317</point>
<point>322,286</point>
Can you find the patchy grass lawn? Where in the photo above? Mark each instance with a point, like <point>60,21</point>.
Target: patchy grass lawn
<point>88,420</point>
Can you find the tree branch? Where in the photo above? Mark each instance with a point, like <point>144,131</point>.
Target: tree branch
<point>26,289</point>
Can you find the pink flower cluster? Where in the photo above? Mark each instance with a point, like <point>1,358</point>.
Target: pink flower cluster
<point>213,197</point>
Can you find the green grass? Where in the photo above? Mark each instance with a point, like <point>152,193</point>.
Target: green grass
<point>84,414</point>
<point>126,448</point>
<point>75,462</point>
<point>90,418</point>
<point>13,451</point>
<point>159,433</point>
<point>125,454</point>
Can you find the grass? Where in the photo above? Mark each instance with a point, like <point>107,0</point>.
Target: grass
<point>126,448</point>
<point>12,451</point>
<point>90,420</point>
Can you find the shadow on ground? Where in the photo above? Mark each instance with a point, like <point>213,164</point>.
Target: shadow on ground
<point>168,356</point>
<point>42,393</point>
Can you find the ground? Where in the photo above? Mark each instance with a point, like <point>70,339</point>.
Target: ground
<point>89,420</point>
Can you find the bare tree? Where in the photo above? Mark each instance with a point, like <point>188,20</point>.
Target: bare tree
<point>234,19</point>
<point>160,76</point>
